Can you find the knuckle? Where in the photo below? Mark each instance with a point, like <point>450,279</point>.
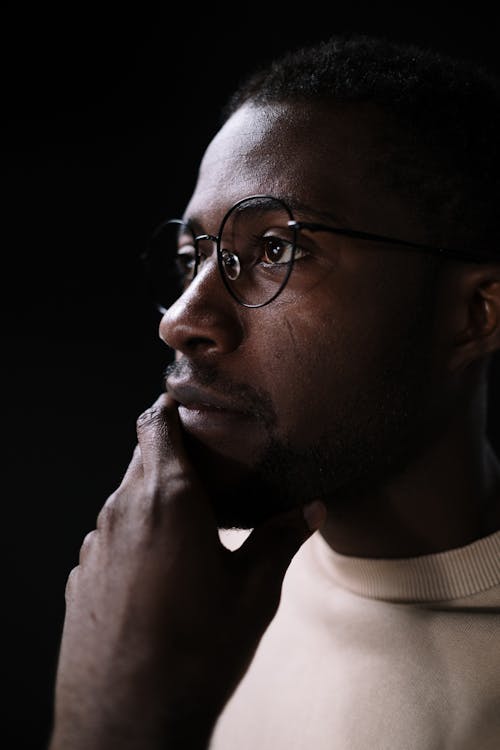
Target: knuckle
<point>160,498</point>
<point>87,546</point>
<point>152,506</point>
<point>71,584</point>
<point>108,514</point>
<point>154,420</point>
<point>150,417</point>
<point>145,418</point>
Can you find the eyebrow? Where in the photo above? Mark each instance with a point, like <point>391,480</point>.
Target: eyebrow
<point>194,223</point>
<point>293,203</point>
<point>315,214</point>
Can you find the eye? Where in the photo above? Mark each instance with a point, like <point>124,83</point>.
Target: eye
<point>277,250</point>
<point>185,261</point>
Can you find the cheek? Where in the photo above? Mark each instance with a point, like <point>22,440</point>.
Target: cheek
<point>317,362</point>
<point>299,366</point>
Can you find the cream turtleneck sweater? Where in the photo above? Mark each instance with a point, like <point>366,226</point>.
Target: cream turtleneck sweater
<point>368,654</point>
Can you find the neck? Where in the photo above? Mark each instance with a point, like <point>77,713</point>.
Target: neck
<point>447,498</point>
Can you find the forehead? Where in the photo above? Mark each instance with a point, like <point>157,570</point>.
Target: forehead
<point>319,156</point>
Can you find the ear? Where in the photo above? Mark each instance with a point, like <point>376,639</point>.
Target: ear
<point>478,331</point>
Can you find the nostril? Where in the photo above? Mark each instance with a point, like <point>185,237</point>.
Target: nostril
<point>198,342</point>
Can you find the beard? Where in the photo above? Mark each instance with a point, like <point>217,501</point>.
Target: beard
<point>357,454</point>
<point>377,427</point>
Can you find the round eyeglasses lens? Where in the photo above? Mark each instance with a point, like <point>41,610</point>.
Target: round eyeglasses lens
<point>256,250</point>
<point>170,262</point>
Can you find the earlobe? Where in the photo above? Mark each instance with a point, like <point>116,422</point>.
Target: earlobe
<point>489,294</point>
<point>481,334</point>
<point>490,317</point>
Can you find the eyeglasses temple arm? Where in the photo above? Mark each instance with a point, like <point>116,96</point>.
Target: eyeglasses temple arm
<point>357,234</point>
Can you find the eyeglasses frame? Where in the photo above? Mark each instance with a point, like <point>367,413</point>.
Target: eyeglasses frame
<point>467,256</point>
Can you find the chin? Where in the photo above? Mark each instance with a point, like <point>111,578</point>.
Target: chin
<point>243,500</point>
<point>240,494</point>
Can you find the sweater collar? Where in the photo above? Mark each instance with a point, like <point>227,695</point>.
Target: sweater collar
<point>453,574</point>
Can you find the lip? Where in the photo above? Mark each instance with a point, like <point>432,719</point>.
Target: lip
<point>211,417</point>
<point>195,398</point>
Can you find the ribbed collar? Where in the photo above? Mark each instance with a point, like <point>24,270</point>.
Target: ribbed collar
<point>453,574</point>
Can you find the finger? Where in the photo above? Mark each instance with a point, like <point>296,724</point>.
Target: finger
<point>160,437</point>
<point>168,470</point>
<point>270,548</point>
<point>134,470</point>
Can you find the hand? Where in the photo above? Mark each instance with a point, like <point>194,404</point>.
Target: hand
<point>162,620</point>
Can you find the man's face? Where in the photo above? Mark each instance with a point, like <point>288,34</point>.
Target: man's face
<point>322,392</point>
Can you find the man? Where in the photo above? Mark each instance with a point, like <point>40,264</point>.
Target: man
<point>340,306</point>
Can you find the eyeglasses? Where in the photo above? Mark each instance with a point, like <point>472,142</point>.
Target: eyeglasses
<point>258,244</point>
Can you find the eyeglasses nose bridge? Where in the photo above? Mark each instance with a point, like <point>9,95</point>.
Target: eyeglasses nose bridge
<point>210,237</point>
<point>203,238</point>
<point>224,264</point>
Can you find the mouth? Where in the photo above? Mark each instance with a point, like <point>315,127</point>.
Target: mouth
<point>213,418</point>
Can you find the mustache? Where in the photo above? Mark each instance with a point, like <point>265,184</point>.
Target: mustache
<point>252,400</point>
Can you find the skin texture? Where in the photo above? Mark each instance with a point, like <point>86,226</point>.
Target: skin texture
<point>360,376</point>
<point>146,624</point>
<point>372,383</point>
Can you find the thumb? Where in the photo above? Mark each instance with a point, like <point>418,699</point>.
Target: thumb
<point>269,549</point>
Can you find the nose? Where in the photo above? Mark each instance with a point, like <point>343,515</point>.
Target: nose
<point>203,321</point>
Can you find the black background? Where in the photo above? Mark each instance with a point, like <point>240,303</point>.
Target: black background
<point>104,118</point>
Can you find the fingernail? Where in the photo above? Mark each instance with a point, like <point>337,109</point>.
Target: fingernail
<point>314,514</point>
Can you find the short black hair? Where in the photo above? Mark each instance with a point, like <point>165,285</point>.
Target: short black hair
<point>441,151</point>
